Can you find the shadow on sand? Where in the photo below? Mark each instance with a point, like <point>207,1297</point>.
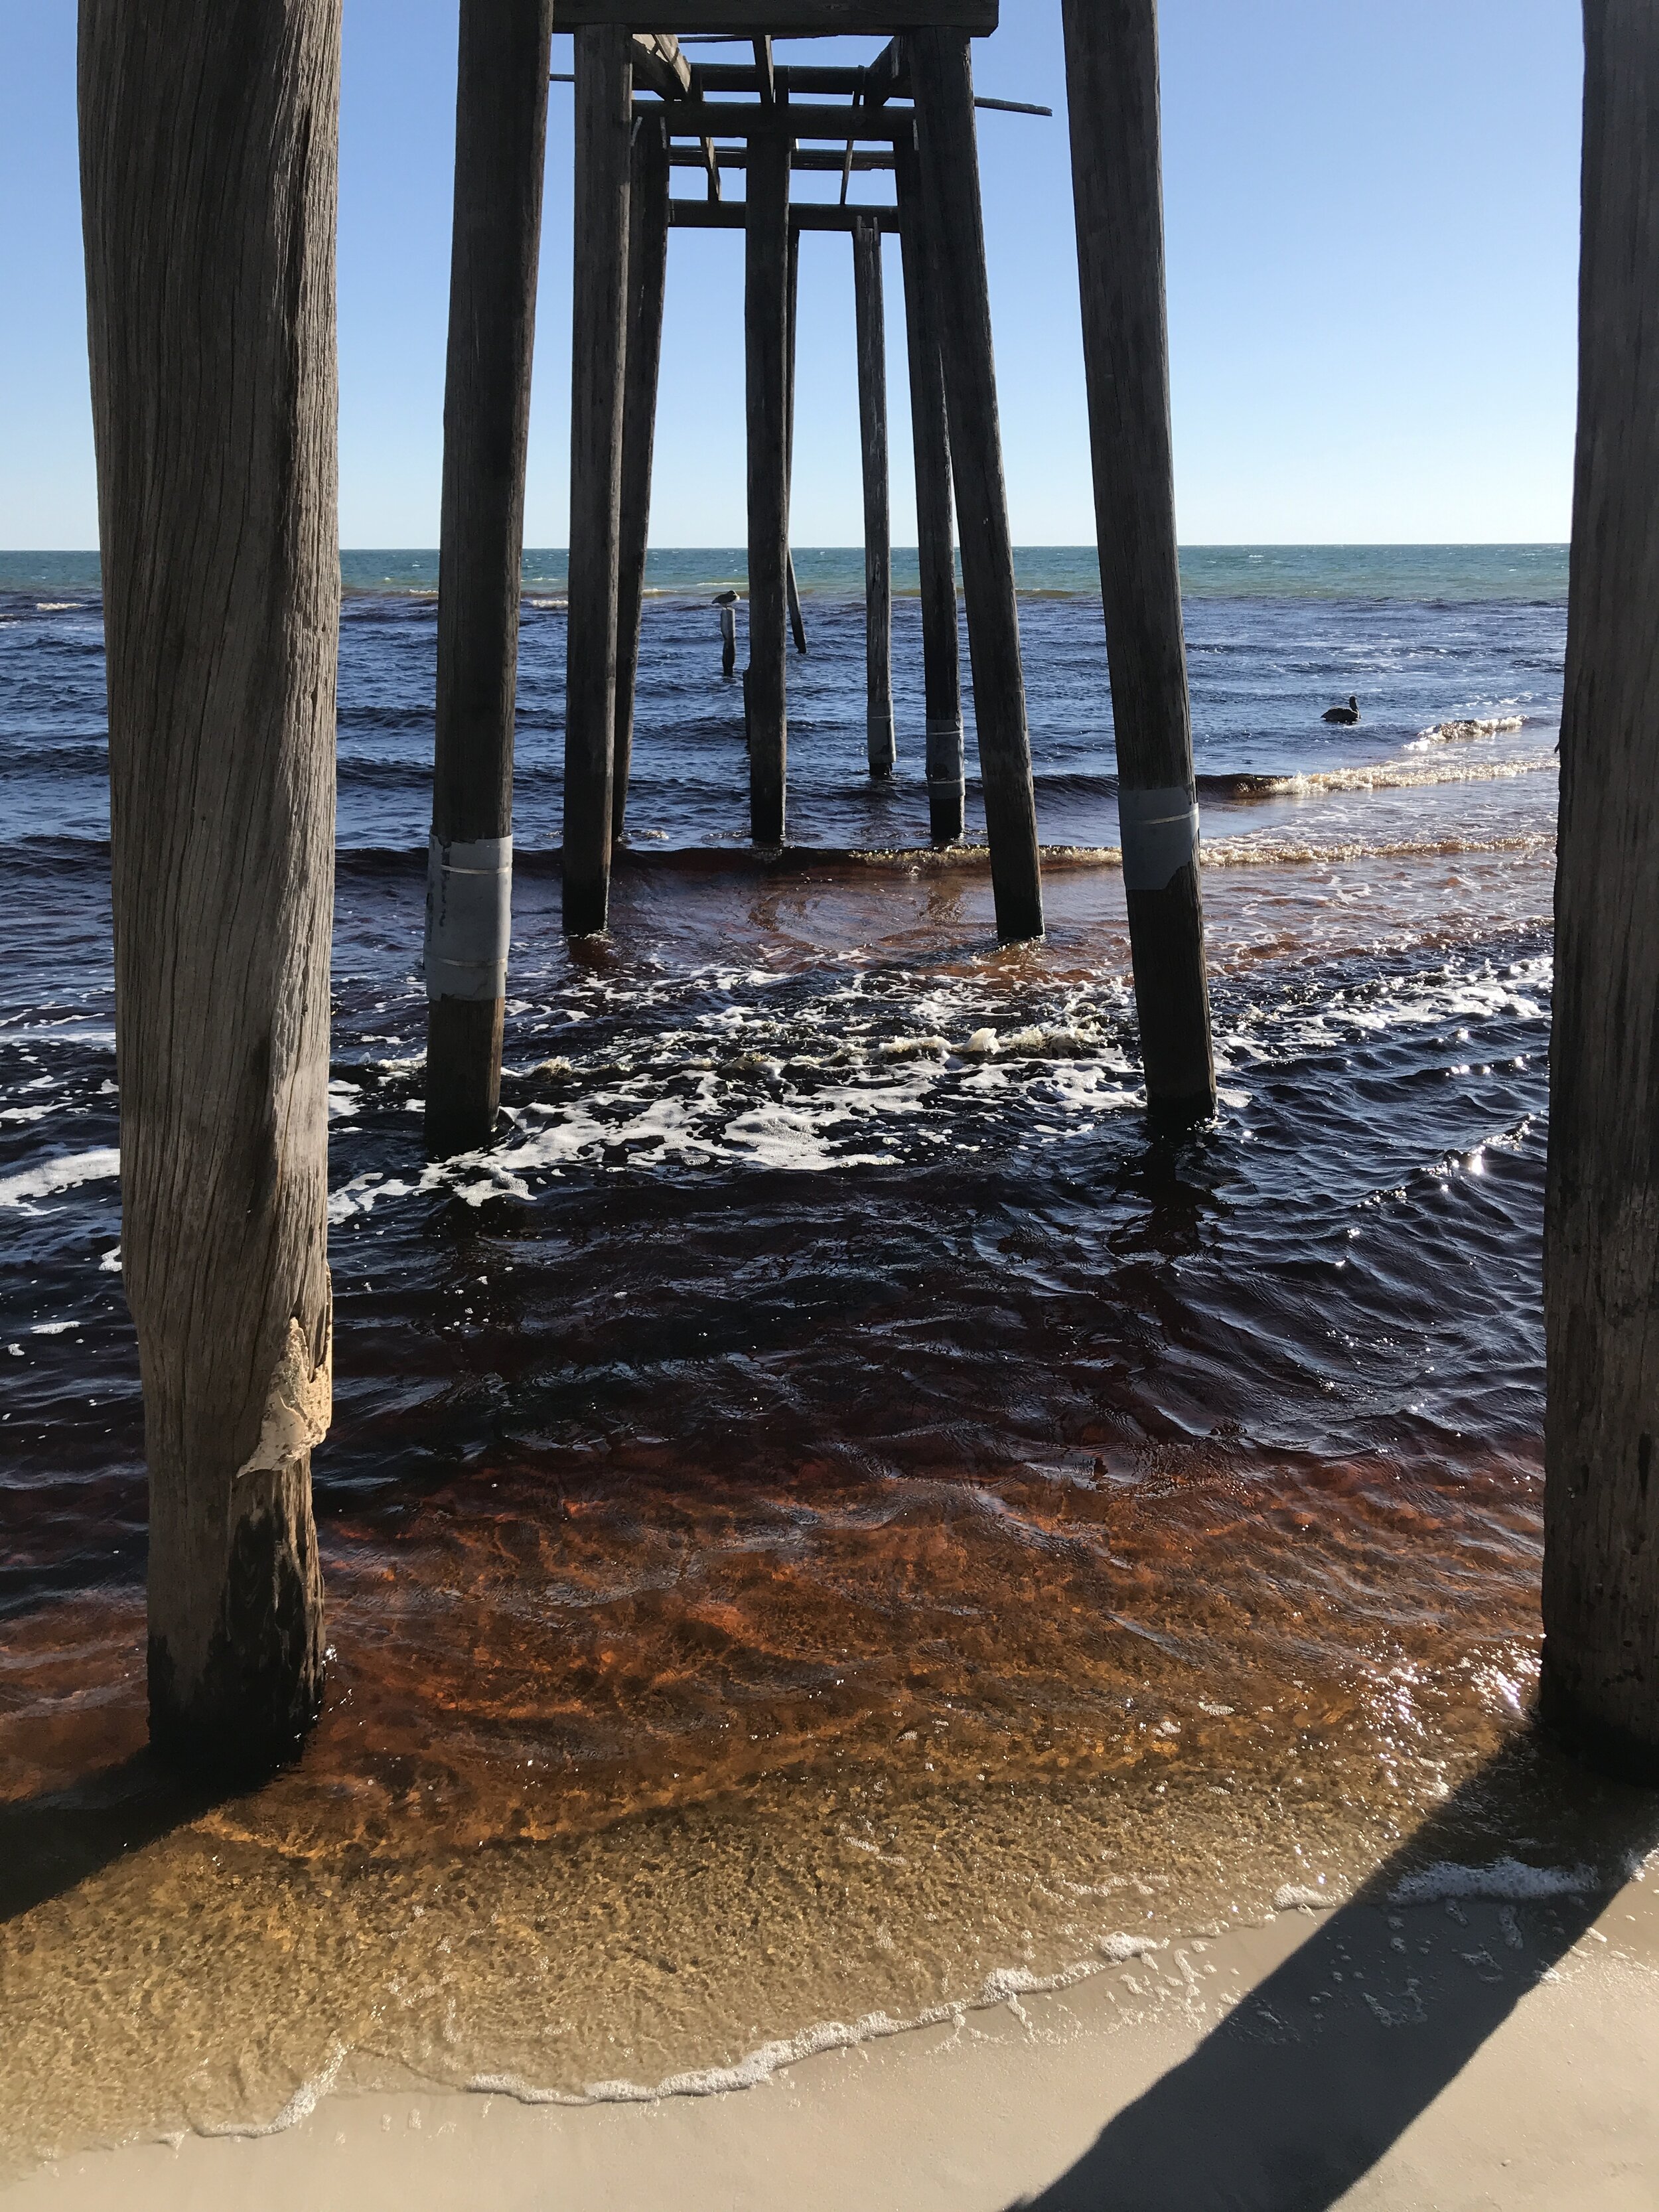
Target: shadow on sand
<point>49,1843</point>
<point>1296,2094</point>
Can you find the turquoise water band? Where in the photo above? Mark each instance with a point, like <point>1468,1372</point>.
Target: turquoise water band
<point>469,917</point>
<point>1159,832</point>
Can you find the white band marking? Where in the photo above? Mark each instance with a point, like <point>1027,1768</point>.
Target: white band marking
<point>469,917</point>
<point>1160,835</point>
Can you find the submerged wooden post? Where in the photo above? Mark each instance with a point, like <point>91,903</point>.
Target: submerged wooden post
<point>797,618</point>
<point>941,658</point>
<point>501,137</point>
<point>1599,1687</point>
<point>210,249</point>
<point>872,324</point>
<point>648,274</point>
<point>1111,56</point>
<point>766,330</point>
<point>941,76</point>
<point>599,355</point>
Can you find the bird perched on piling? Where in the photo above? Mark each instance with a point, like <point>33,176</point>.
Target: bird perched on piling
<point>727,604</point>
<point>1348,714</point>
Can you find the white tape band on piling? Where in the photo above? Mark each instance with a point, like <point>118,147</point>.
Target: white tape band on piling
<point>469,918</point>
<point>1160,835</point>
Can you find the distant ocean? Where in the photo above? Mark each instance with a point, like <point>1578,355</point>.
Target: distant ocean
<point>825,1520</point>
<point>1295,572</point>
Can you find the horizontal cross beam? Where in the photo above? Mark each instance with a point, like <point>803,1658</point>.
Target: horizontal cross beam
<point>730,118</point>
<point>729,214</point>
<point>821,160</point>
<point>783,19</point>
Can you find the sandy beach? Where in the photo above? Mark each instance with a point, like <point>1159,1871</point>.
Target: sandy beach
<point>1464,2052</point>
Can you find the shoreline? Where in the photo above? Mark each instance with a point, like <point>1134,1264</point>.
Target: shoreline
<point>1384,2055</point>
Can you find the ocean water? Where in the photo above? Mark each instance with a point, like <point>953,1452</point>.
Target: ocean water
<point>825,1521</point>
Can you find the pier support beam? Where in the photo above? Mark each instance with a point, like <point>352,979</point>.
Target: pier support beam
<point>648,274</point>
<point>930,435</point>
<point>501,138</point>
<point>1111,58</point>
<point>766,334</point>
<point>1599,1687</point>
<point>871,319</point>
<point>797,618</point>
<point>598,350</point>
<point>210,249</point>
<point>941,78</point>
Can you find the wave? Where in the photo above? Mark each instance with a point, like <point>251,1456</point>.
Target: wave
<point>1463,732</point>
<point>1381,775</point>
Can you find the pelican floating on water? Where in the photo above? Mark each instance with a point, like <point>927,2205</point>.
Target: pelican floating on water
<point>1348,714</point>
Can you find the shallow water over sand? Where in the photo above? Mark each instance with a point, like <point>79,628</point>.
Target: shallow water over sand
<point>822,1513</point>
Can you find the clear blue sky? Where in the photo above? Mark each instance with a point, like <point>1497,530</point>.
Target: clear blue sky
<point>1373,216</point>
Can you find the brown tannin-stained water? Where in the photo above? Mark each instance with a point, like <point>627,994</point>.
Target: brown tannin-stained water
<point>825,1520</point>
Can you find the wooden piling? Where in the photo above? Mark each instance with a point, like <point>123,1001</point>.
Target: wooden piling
<point>797,618</point>
<point>872,333</point>
<point>935,537</point>
<point>941,76</point>
<point>1600,1685</point>
<point>598,348</point>
<point>766,329</point>
<point>210,320</point>
<point>648,274</point>
<point>501,136</point>
<point>1111,53</point>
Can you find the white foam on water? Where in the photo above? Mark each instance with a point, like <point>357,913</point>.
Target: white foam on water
<point>300,2106</point>
<point>1274,849</point>
<point>1005,1985</point>
<point>1506,1881</point>
<point>1466,731</point>
<point>66,1172</point>
<point>1294,1897</point>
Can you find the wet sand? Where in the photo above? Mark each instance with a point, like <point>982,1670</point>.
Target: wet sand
<point>1459,2053</point>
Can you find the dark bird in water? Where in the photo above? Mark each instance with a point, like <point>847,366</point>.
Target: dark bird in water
<point>724,600</point>
<point>1348,714</point>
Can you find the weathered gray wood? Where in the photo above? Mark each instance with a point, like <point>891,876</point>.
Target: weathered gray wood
<point>798,19</point>
<point>766,332</point>
<point>941,75</point>
<point>500,139</point>
<point>647,272</point>
<point>210,246</point>
<point>728,215</point>
<point>1111,48</point>
<point>1600,1673</point>
<point>658,65</point>
<point>870,317</point>
<point>941,654</point>
<point>599,287</point>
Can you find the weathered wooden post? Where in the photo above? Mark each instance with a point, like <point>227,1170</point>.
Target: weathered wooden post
<point>598,351</point>
<point>941,77</point>
<point>648,274</point>
<point>500,139</point>
<point>872,326</point>
<point>797,618</point>
<point>1600,1673</point>
<point>209,167</point>
<point>941,658</point>
<point>1111,58</point>
<point>766,328</point>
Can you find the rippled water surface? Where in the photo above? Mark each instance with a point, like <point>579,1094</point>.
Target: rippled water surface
<point>823,1514</point>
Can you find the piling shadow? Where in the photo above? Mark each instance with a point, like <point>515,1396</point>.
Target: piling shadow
<point>1292,2099</point>
<point>51,1843</point>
